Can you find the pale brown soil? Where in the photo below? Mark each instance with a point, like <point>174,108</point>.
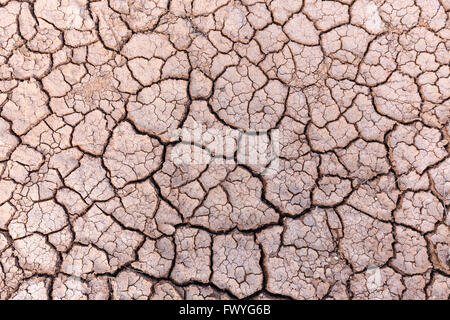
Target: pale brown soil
<point>354,205</point>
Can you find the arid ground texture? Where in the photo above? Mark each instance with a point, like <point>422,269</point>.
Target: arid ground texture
<point>224,149</point>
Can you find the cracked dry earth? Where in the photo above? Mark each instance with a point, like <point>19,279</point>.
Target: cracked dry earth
<point>93,205</point>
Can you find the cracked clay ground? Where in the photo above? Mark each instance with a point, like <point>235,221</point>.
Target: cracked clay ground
<point>345,103</point>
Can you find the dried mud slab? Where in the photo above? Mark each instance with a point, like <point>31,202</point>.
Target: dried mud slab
<point>246,149</point>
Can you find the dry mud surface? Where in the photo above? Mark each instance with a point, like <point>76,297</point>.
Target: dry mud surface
<point>345,103</point>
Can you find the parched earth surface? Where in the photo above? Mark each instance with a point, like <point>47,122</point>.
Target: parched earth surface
<point>354,204</point>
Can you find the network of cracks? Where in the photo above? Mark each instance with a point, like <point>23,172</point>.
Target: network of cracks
<point>346,107</point>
